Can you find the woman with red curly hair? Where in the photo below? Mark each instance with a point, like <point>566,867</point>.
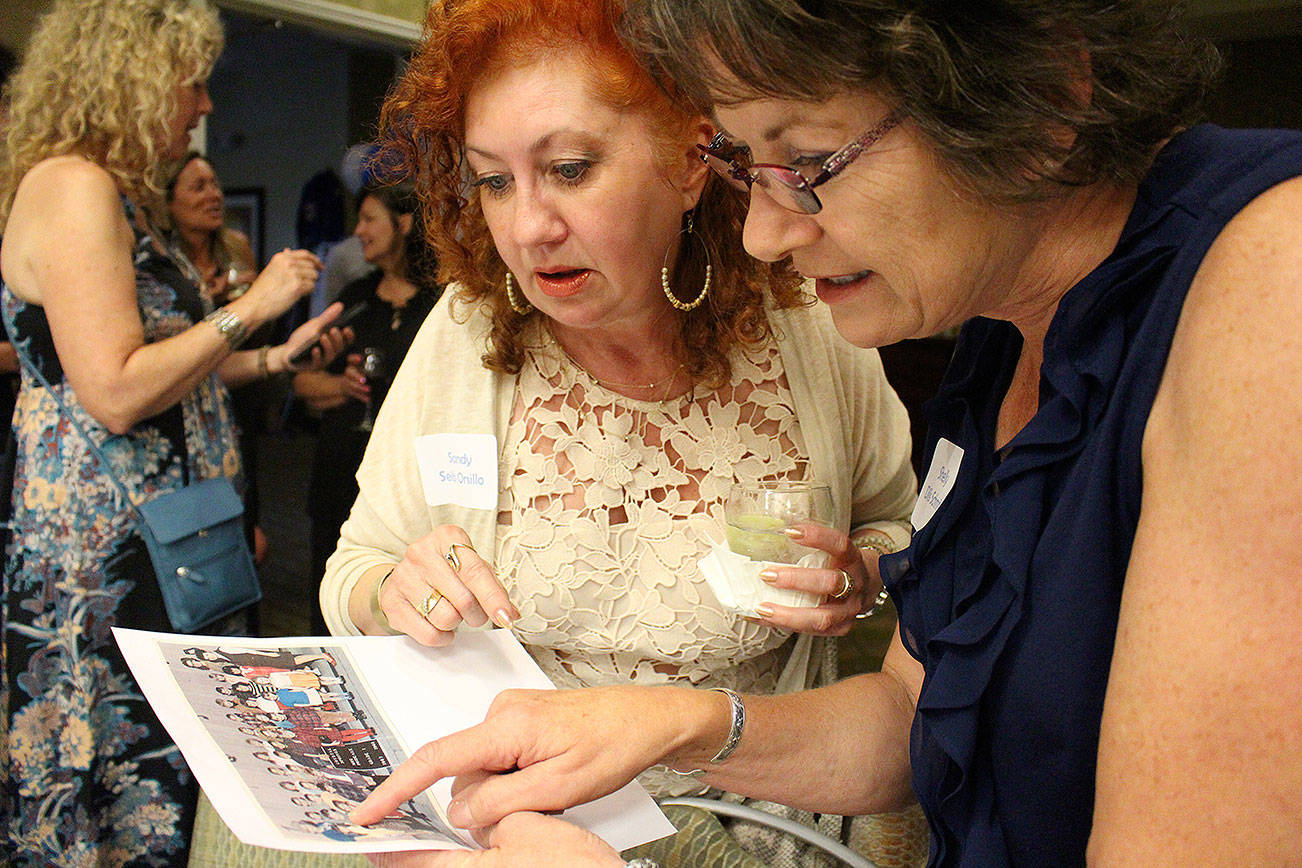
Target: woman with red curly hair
<point>606,363</point>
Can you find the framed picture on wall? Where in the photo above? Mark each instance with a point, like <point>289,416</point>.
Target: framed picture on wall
<point>245,212</point>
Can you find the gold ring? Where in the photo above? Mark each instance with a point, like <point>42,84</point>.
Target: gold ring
<point>427,605</point>
<point>451,556</point>
<point>846,587</point>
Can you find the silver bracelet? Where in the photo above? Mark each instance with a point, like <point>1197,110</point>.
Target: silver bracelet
<point>229,326</point>
<point>882,548</point>
<point>644,862</point>
<point>735,729</point>
<point>878,602</point>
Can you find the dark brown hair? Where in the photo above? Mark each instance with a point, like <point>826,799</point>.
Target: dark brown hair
<point>422,135</point>
<point>1016,96</point>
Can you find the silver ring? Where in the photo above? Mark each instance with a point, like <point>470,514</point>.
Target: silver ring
<point>427,605</point>
<point>451,556</point>
<point>846,587</point>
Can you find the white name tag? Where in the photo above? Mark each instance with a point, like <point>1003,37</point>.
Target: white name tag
<point>940,479</point>
<point>460,469</point>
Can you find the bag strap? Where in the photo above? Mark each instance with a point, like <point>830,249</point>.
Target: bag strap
<point>21,351</point>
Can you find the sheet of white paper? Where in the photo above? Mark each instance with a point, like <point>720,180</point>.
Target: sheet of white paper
<point>407,695</point>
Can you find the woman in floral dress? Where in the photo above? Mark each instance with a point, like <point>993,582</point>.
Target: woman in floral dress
<point>108,92</point>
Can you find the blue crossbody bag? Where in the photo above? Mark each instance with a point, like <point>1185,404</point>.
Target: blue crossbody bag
<point>195,538</point>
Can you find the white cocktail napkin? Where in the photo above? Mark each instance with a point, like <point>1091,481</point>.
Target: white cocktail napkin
<point>735,580</point>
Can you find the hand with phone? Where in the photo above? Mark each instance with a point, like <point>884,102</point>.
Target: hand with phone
<point>349,314</point>
<point>317,342</point>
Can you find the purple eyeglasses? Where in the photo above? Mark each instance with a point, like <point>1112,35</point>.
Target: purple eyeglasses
<point>788,187</point>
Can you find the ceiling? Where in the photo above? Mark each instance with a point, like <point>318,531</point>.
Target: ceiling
<point>398,21</point>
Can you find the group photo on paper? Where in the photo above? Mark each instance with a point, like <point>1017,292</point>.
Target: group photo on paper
<point>611,479</point>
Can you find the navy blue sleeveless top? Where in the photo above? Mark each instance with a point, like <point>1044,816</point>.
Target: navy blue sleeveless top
<point>1009,596</point>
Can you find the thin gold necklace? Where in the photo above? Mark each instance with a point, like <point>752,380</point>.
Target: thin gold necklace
<point>667,381</point>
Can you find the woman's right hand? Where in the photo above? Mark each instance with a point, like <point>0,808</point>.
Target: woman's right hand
<point>452,590</point>
<point>523,840</point>
<point>290,275</point>
<point>549,750</point>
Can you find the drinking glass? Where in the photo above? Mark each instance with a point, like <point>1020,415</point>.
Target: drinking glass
<point>757,513</point>
<point>374,370</point>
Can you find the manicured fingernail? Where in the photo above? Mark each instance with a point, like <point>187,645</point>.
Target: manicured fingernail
<point>459,814</point>
<point>764,610</point>
<point>502,618</point>
<point>794,532</point>
<point>769,575</point>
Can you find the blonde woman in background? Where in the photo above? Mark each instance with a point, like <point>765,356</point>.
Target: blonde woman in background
<point>221,254</point>
<point>108,93</point>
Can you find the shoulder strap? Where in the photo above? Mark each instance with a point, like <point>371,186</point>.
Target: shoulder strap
<point>21,351</point>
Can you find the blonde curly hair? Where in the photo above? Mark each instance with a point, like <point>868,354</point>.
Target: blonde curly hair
<point>99,79</point>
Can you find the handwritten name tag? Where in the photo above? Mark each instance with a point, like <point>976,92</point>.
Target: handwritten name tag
<point>940,479</point>
<point>460,469</point>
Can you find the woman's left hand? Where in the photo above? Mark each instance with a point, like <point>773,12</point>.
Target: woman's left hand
<point>526,840</point>
<point>847,584</point>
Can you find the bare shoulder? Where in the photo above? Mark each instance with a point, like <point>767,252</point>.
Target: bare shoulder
<point>66,175</point>
<point>1232,389</point>
<point>1203,719</point>
<point>62,204</point>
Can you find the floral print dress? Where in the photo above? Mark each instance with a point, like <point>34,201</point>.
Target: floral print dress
<point>88,776</point>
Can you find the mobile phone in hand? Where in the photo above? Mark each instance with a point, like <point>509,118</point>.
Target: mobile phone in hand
<point>350,313</point>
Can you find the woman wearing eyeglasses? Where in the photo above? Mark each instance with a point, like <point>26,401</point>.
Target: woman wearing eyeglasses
<point>1099,608</point>
<point>554,453</point>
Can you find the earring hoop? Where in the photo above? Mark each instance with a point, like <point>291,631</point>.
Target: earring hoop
<point>686,306</point>
<point>519,308</point>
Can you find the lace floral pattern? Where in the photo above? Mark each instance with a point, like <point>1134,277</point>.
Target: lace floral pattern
<point>607,504</point>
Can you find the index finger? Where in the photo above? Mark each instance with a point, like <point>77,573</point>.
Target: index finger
<point>468,751</point>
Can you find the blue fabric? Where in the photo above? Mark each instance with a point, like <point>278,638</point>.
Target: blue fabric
<point>1009,596</point>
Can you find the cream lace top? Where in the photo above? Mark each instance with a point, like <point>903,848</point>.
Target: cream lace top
<point>607,503</point>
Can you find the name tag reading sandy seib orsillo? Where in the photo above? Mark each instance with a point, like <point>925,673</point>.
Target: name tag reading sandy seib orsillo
<point>458,469</point>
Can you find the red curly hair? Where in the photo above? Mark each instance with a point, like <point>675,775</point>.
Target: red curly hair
<point>422,128</point>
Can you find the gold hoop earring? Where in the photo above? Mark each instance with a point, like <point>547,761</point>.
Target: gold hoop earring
<point>510,297</point>
<point>686,306</point>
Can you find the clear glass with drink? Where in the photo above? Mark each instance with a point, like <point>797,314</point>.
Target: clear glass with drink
<point>757,513</point>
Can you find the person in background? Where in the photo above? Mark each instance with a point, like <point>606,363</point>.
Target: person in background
<point>398,294</point>
<point>221,254</point>
<point>224,259</point>
<point>609,347</point>
<point>1096,658</point>
<point>106,96</point>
